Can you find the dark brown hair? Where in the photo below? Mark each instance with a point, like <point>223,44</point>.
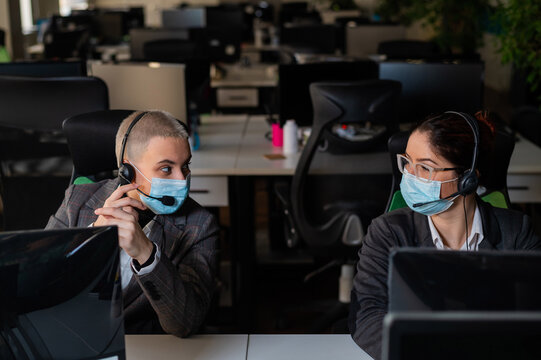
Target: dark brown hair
<point>452,138</point>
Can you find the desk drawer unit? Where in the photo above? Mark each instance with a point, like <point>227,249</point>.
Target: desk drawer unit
<point>209,190</point>
<point>245,97</point>
<point>524,188</point>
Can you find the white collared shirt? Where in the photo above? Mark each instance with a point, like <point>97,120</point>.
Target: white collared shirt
<point>473,241</point>
<point>126,262</point>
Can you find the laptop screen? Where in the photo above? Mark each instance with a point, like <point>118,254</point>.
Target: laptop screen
<point>430,279</point>
<point>61,294</point>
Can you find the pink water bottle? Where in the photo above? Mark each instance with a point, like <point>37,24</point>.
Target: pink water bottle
<point>277,135</point>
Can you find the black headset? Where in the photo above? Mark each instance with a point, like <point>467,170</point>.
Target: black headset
<point>126,172</point>
<point>468,181</point>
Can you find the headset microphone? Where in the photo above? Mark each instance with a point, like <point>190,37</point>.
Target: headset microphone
<point>433,201</point>
<point>166,200</point>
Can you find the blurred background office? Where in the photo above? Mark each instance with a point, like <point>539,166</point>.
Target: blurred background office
<point>230,69</point>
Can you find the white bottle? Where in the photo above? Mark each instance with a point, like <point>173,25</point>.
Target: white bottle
<point>291,143</point>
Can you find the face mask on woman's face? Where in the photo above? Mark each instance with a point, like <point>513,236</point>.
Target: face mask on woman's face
<point>415,191</point>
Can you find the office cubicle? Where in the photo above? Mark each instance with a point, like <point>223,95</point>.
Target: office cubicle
<point>143,86</point>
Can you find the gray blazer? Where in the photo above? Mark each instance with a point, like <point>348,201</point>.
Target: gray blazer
<point>175,296</point>
<point>503,230</point>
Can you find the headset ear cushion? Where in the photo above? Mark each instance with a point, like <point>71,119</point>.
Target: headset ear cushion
<point>126,173</point>
<point>469,182</point>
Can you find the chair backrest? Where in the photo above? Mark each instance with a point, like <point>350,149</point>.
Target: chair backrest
<point>43,103</point>
<point>91,140</point>
<point>496,192</point>
<point>334,103</point>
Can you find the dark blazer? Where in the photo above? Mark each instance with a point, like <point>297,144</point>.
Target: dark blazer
<point>503,230</point>
<point>175,296</point>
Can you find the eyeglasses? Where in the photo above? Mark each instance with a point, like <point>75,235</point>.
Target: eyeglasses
<point>422,171</point>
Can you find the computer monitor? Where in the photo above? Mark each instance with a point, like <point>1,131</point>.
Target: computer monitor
<point>61,294</point>
<point>184,18</point>
<point>295,79</point>
<point>143,86</point>
<point>138,38</point>
<point>429,88</point>
<point>224,17</point>
<point>460,335</point>
<point>110,28</point>
<point>44,68</point>
<point>434,280</point>
<point>311,38</point>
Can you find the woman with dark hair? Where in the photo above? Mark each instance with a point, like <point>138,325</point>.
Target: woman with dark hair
<point>444,212</point>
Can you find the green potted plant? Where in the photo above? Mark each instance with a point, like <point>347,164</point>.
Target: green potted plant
<point>520,39</point>
<point>457,24</point>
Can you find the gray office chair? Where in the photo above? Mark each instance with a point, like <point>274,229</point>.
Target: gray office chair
<point>329,214</point>
<point>33,151</point>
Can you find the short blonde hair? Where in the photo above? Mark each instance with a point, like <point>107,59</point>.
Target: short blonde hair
<point>153,123</point>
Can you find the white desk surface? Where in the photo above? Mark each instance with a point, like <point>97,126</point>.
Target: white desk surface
<point>200,347</point>
<point>220,141</point>
<point>310,347</point>
<point>243,347</point>
<point>236,145</point>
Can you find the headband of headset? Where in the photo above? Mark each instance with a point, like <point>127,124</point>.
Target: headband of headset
<point>469,181</point>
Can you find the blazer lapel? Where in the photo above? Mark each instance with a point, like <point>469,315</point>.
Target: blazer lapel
<point>423,235</point>
<point>491,231</point>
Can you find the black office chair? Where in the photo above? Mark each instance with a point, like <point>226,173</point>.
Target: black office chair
<point>91,140</point>
<point>496,192</point>
<point>409,49</point>
<point>330,213</point>
<point>33,151</point>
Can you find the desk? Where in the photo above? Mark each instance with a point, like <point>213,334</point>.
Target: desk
<point>243,347</point>
<point>313,347</point>
<point>201,347</point>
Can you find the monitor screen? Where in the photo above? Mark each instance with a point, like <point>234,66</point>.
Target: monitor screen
<point>184,18</point>
<point>44,68</point>
<point>429,88</point>
<point>429,279</point>
<point>138,38</point>
<point>460,335</point>
<point>295,79</point>
<point>61,294</point>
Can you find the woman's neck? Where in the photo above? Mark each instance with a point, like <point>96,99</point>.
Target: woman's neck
<point>451,224</point>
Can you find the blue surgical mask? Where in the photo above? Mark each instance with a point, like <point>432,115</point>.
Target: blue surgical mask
<point>415,191</point>
<point>177,189</point>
